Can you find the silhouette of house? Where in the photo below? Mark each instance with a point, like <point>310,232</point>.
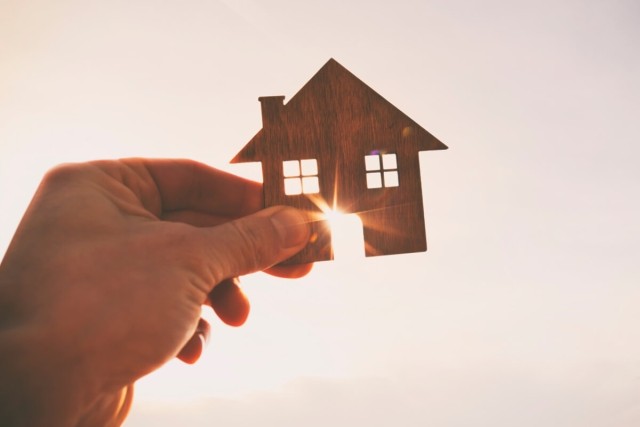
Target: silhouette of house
<point>338,144</point>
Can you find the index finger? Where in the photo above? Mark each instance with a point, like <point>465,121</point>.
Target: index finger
<point>188,185</point>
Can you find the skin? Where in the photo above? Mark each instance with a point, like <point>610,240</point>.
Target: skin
<point>105,277</point>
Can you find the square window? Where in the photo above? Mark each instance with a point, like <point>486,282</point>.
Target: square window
<point>292,186</point>
<point>374,180</point>
<point>310,185</point>
<point>309,167</point>
<point>372,162</point>
<point>391,179</point>
<point>291,168</point>
<point>389,161</point>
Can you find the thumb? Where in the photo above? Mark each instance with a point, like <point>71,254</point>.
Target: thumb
<point>255,242</point>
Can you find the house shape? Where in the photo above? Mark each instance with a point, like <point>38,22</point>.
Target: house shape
<point>338,144</point>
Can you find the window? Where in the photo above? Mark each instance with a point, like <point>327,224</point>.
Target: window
<point>382,170</point>
<point>300,177</point>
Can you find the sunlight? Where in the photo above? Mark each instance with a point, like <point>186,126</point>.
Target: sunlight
<point>347,239</point>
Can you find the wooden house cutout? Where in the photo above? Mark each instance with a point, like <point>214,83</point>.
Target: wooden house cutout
<point>339,145</point>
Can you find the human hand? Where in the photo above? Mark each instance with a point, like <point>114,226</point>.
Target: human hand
<point>106,275</point>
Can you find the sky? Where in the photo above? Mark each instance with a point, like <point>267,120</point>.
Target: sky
<point>524,310</point>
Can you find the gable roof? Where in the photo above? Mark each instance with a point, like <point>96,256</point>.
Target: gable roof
<point>335,89</point>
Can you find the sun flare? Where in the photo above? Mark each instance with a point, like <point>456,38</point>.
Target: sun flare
<point>347,239</point>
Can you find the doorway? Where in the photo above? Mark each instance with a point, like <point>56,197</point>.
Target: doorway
<point>347,237</point>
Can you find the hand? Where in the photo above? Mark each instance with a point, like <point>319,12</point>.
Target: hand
<point>106,275</point>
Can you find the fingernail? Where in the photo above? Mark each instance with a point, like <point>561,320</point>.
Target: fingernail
<point>291,226</point>
<point>204,339</point>
<point>203,332</point>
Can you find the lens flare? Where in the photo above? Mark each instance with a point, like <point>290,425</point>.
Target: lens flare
<point>347,239</point>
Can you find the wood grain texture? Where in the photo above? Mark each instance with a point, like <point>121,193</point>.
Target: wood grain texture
<point>338,120</point>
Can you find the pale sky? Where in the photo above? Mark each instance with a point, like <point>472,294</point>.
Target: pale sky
<point>524,311</point>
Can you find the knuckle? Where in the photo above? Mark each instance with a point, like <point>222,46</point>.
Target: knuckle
<point>253,247</point>
<point>176,248</point>
<point>180,240</point>
<point>248,246</point>
<point>63,172</point>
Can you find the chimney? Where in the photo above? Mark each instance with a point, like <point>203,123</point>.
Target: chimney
<point>271,110</point>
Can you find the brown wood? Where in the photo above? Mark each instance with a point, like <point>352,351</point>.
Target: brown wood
<point>337,120</point>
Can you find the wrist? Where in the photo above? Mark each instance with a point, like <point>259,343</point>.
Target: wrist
<point>43,384</point>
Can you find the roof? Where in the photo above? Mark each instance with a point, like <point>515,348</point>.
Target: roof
<point>335,98</point>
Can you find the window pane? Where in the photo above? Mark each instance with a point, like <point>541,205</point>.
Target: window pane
<point>291,168</point>
<point>374,180</point>
<point>391,179</point>
<point>389,161</point>
<point>310,185</point>
<point>309,167</point>
<point>292,186</point>
<point>372,162</point>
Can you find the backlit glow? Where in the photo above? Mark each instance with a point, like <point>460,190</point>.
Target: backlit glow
<point>347,240</point>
